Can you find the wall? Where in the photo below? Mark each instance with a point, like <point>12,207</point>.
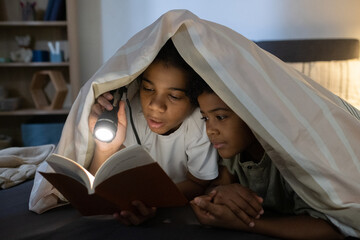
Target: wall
<point>105,25</point>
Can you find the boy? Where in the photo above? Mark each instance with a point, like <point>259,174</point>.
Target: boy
<point>232,204</point>
<point>168,128</point>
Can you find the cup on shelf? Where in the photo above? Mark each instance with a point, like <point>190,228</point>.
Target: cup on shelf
<point>57,57</point>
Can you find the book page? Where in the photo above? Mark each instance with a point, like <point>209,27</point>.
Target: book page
<point>122,160</point>
<point>70,168</point>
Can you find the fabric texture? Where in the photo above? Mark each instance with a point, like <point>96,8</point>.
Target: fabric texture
<point>306,130</point>
<point>186,149</point>
<point>340,77</point>
<point>18,164</point>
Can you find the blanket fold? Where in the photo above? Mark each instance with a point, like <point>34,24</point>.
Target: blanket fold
<point>18,164</point>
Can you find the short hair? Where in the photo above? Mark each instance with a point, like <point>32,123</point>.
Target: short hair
<point>169,55</point>
<point>200,87</point>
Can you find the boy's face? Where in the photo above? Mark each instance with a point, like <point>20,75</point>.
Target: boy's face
<point>227,132</point>
<point>163,98</point>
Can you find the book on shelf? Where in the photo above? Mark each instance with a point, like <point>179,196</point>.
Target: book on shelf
<point>48,10</point>
<point>129,174</point>
<point>55,10</point>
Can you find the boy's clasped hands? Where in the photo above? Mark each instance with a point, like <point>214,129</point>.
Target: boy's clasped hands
<point>228,206</point>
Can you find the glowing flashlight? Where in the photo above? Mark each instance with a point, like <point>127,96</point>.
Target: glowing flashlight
<point>106,125</point>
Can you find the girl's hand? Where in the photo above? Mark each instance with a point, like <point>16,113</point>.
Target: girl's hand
<point>242,201</point>
<point>131,218</point>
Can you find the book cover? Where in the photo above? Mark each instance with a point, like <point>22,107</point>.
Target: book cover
<point>48,10</point>
<point>58,11</point>
<point>130,174</point>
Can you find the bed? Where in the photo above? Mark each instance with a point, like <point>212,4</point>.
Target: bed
<point>333,63</point>
<point>317,58</point>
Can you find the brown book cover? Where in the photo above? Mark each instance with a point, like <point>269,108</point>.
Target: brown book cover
<point>131,174</point>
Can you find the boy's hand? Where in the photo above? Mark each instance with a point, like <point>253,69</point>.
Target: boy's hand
<point>217,215</point>
<point>102,103</point>
<point>132,218</point>
<point>243,202</point>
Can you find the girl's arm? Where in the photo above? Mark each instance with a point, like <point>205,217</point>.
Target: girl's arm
<point>287,227</point>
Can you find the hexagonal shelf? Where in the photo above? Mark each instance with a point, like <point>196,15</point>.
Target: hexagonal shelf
<point>38,84</point>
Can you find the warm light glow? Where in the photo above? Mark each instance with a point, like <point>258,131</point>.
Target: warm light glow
<point>104,134</point>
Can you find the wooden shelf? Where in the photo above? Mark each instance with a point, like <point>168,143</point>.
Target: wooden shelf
<point>34,112</point>
<point>16,77</point>
<point>34,64</point>
<point>33,23</point>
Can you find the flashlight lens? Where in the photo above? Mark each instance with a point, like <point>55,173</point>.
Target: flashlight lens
<point>106,125</point>
<point>104,134</point>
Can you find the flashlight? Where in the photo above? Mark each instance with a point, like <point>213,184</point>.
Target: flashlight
<point>106,125</point>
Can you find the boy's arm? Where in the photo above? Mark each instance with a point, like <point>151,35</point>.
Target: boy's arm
<point>193,186</point>
<point>104,150</point>
<point>224,177</point>
<point>100,156</point>
<point>287,227</point>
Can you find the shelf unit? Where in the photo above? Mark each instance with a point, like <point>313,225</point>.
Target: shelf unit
<point>33,23</point>
<point>16,77</point>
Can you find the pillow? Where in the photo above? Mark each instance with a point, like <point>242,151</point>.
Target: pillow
<point>340,77</point>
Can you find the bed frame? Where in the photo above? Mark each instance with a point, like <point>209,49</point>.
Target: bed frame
<point>311,50</point>
<point>17,222</point>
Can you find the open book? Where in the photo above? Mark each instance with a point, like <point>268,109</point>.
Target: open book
<point>129,174</point>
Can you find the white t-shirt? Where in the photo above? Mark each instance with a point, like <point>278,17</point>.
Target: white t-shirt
<point>186,149</point>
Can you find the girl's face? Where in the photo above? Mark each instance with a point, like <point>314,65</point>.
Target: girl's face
<point>227,132</point>
<point>163,98</point>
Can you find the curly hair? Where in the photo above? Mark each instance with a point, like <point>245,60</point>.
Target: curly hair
<point>199,86</point>
<point>169,56</point>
